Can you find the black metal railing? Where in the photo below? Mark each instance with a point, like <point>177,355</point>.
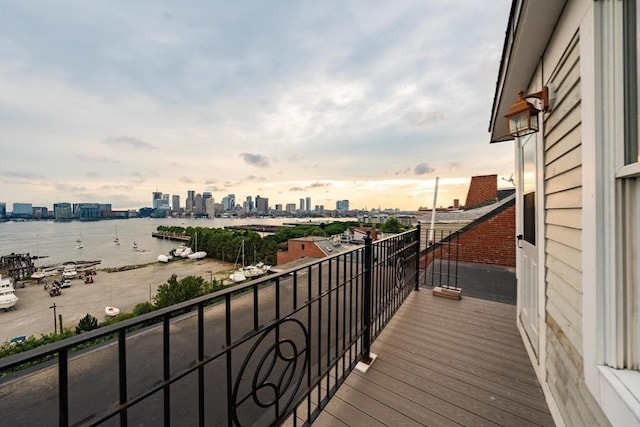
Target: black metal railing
<point>265,352</point>
<point>440,256</point>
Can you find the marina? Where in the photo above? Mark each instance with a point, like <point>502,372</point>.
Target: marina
<point>56,242</point>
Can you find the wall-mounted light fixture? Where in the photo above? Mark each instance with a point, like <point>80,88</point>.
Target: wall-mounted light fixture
<point>523,116</point>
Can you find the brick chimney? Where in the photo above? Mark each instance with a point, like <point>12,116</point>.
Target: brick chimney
<point>483,190</point>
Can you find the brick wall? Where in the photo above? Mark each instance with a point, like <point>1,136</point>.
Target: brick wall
<point>482,190</point>
<point>299,249</point>
<point>491,241</point>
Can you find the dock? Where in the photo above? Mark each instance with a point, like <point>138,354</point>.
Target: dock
<point>258,228</point>
<point>171,236</point>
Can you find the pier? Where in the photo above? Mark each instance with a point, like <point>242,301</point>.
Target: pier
<point>171,236</point>
<point>258,228</point>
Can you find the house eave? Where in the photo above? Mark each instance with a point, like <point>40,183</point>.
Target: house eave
<point>531,24</point>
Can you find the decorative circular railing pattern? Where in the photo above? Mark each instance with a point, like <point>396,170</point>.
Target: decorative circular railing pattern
<point>401,274</point>
<point>272,371</point>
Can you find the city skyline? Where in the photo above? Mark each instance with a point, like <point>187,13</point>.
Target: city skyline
<point>368,102</point>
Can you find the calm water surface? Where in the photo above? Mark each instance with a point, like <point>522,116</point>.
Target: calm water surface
<point>57,240</point>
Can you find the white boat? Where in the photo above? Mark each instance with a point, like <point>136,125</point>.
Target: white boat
<point>116,240</point>
<point>80,246</point>
<point>69,272</point>
<point>237,277</point>
<point>8,296</point>
<point>164,258</point>
<point>263,266</point>
<point>197,255</point>
<point>38,275</point>
<point>246,272</point>
<point>112,311</point>
<point>134,245</point>
<point>186,252</point>
<point>178,251</point>
<point>252,271</point>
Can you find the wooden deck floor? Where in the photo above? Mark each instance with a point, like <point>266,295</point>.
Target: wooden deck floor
<point>444,362</point>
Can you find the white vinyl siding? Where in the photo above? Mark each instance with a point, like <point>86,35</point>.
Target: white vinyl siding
<point>563,244</point>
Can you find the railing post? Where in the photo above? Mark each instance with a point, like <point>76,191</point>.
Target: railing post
<point>418,241</point>
<point>366,305</point>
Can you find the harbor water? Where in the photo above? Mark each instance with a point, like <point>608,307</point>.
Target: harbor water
<point>58,242</point>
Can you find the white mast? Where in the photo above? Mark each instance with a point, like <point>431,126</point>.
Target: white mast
<point>433,215</point>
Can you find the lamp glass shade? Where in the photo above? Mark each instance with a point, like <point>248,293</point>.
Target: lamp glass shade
<point>523,124</point>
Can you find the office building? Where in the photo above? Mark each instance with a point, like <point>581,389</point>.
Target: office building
<point>342,206</point>
<point>262,204</point>
<point>190,202</point>
<point>22,210</point>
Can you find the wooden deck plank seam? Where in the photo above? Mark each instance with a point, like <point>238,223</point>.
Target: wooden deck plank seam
<point>474,340</point>
<point>450,348</point>
<point>499,384</point>
<point>494,409</point>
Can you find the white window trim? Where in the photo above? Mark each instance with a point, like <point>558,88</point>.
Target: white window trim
<point>616,391</point>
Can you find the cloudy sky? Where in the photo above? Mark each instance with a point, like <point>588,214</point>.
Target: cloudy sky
<point>362,100</point>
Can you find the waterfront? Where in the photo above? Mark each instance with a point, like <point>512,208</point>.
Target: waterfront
<point>57,240</point>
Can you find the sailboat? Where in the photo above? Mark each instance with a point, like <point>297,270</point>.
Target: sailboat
<point>245,272</point>
<point>79,242</point>
<point>116,240</point>
<point>197,254</point>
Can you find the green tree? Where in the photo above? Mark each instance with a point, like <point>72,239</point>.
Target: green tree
<point>143,308</point>
<point>174,291</point>
<point>392,225</point>
<point>87,323</point>
<point>335,228</point>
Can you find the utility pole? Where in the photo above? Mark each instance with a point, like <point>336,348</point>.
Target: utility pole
<point>55,319</point>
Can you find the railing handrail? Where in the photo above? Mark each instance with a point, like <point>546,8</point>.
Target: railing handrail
<point>53,348</point>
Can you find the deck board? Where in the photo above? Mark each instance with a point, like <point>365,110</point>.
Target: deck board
<point>444,362</point>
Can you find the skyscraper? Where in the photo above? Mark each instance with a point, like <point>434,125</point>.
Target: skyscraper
<point>175,202</point>
<point>342,205</point>
<point>190,200</point>
<point>262,204</point>
<point>206,195</point>
<point>210,207</point>
<point>308,204</point>
<point>301,205</point>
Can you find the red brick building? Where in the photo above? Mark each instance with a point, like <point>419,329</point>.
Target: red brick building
<point>306,247</point>
<point>490,239</point>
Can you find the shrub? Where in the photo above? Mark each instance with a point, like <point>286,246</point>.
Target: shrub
<point>87,323</point>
